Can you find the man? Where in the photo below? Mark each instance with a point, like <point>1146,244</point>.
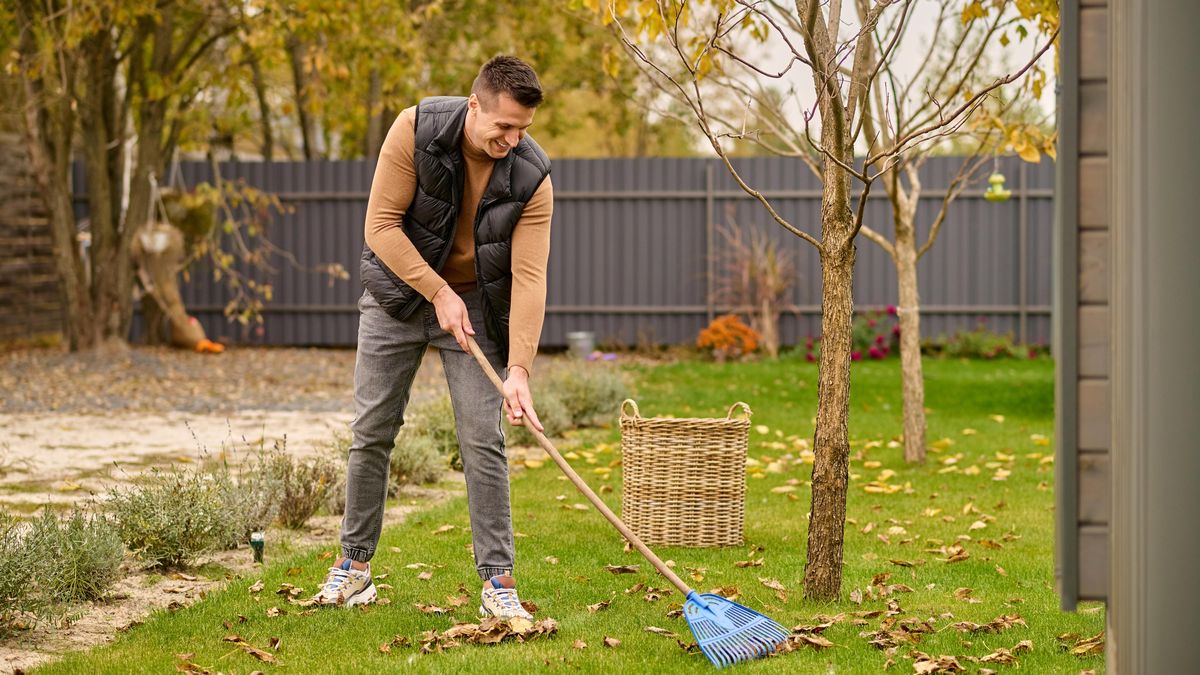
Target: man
<point>457,238</point>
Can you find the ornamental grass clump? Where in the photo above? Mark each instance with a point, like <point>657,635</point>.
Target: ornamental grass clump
<point>591,392</point>
<point>304,485</point>
<point>80,555</point>
<point>17,567</point>
<point>174,516</point>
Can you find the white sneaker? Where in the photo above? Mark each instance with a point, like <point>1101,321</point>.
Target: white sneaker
<point>500,602</point>
<point>347,587</point>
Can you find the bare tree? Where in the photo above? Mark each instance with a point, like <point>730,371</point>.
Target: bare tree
<point>690,49</point>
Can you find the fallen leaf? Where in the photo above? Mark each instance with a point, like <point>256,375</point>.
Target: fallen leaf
<point>1000,623</point>
<point>661,631</point>
<point>425,576</point>
<point>257,586</point>
<point>580,644</point>
<point>816,641</point>
<point>430,609</point>
<point>1085,646</point>
<point>551,559</point>
<point>520,624</point>
<point>623,569</point>
<point>771,584</point>
<point>656,594</point>
<point>599,606</point>
<point>444,529</point>
<point>923,664</point>
<point>275,611</point>
<point>457,600</point>
<point>611,643</point>
<point>964,594</point>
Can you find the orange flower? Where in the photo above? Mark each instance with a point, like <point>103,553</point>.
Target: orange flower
<point>727,337</point>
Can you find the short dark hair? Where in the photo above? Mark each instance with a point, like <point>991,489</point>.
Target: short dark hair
<point>508,75</point>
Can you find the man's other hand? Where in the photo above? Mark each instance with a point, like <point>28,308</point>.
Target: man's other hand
<point>452,315</point>
<point>518,402</point>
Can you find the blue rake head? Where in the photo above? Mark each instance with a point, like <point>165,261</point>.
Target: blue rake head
<point>728,632</point>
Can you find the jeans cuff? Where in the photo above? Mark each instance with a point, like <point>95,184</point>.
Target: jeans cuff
<point>357,554</point>
<point>486,573</point>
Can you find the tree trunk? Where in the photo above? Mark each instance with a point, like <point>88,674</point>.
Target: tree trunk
<point>912,378</point>
<point>769,327</point>
<point>102,148</point>
<point>296,52</point>
<point>376,129</point>
<point>826,529</point>
<point>48,125</point>
<point>264,109</point>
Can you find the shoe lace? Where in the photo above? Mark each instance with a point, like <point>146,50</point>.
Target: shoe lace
<point>507,598</point>
<point>337,579</point>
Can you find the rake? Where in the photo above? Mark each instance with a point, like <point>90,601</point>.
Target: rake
<point>725,631</point>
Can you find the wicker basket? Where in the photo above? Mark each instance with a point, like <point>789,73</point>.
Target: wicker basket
<point>684,480</point>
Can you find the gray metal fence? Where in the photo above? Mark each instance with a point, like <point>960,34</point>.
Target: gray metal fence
<point>633,241</point>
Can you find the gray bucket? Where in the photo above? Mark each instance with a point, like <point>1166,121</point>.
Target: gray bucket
<point>581,343</point>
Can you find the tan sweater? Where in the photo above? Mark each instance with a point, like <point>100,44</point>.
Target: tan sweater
<point>392,191</point>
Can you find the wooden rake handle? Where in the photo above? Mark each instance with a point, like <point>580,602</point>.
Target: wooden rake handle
<point>582,486</point>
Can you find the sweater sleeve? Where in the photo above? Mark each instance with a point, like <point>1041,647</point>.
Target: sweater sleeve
<point>392,191</point>
<point>530,253</point>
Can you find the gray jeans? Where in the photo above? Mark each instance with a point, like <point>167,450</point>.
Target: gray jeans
<point>389,353</point>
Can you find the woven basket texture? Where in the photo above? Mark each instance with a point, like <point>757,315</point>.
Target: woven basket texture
<point>684,479</point>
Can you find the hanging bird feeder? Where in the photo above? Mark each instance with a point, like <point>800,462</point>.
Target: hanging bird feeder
<point>996,191</point>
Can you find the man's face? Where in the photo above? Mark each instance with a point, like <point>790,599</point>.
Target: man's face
<point>497,125</point>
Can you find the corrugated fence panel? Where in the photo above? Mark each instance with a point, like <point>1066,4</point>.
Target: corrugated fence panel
<point>634,240</point>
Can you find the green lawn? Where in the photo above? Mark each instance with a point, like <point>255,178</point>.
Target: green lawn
<point>931,512</point>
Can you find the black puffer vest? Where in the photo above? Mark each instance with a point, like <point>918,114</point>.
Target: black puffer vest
<point>430,220</point>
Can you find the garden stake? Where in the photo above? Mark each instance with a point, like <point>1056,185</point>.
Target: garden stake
<point>725,631</point>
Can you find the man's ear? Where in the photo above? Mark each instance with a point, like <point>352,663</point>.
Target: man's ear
<point>473,103</point>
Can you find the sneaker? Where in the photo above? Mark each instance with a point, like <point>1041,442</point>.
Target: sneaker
<point>499,599</point>
<point>347,587</point>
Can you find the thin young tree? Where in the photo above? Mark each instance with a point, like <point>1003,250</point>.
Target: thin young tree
<point>693,49</point>
<point>955,62</point>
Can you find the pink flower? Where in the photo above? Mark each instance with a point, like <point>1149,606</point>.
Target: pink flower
<point>878,339</point>
<point>871,322</point>
<point>808,343</point>
<point>891,310</point>
<point>885,350</point>
<point>896,330</point>
<point>874,353</point>
<point>810,358</point>
<point>856,356</point>
<point>1032,353</point>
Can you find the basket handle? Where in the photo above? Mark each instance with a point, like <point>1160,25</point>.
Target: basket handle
<point>629,401</point>
<point>745,409</point>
